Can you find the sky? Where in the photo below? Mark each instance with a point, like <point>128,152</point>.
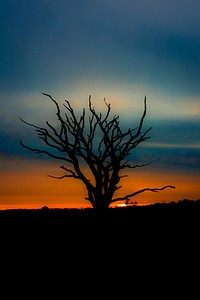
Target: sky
<point>122,50</point>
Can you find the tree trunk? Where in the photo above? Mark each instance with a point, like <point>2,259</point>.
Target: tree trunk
<point>99,202</point>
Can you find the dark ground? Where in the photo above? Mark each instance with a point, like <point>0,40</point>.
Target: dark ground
<point>152,221</point>
<point>151,250</point>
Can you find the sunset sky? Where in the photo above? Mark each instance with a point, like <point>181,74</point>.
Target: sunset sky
<point>118,49</point>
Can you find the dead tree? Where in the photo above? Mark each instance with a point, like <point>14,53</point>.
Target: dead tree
<point>97,142</point>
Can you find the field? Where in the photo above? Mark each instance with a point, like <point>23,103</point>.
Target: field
<point>151,220</point>
<point>153,245</point>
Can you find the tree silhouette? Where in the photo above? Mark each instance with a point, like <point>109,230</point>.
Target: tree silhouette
<point>97,142</point>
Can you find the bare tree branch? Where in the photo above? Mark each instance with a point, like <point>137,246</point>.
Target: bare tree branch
<point>155,190</point>
<point>98,143</point>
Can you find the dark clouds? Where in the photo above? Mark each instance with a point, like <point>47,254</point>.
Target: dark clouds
<point>152,41</point>
<point>177,132</point>
<point>115,45</point>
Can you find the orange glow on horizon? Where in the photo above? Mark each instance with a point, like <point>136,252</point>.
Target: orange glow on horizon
<point>25,184</point>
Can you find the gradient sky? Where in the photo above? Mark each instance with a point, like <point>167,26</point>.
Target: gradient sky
<point>118,49</point>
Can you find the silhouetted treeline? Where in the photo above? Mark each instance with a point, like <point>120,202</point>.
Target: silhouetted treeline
<point>121,217</point>
<point>152,232</point>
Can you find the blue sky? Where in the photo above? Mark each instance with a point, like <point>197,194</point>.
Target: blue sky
<point>118,49</point>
